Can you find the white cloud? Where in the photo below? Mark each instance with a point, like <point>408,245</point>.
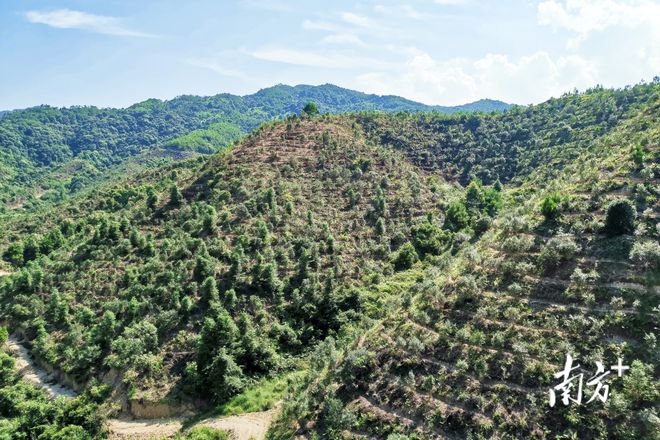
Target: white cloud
<point>586,16</point>
<point>620,37</point>
<point>314,25</point>
<point>216,66</point>
<point>343,38</point>
<point>450,2</point>
<point>332,60</point>
<point>532,78</point>
<point>609,42</point>
<point>69,19</point>
<point>401,10</point>
<point>358,20</point>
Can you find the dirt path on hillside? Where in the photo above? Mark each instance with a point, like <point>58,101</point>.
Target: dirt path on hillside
<point>33,374</point>
<point>144,429</point>
<point>245,426</point>
<point>242,427</point>
<point>4,273</point>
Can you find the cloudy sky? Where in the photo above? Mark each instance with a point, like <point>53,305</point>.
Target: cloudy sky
<point>117,52</point>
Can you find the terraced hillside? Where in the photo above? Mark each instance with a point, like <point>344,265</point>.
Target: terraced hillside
<point>248,258</point>
<point>349,256</point>
<point>471,348</point>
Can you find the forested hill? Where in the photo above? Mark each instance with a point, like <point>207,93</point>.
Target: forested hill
<point>47,153</point>
<point>204,280</point>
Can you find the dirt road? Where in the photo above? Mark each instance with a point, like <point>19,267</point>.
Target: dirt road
<point>33,374</point>
<point>242,427</point>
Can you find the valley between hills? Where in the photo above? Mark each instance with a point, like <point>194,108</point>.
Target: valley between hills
<point>335,273</point>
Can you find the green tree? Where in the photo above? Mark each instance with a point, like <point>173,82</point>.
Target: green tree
<point>152,199</point>
<point>379,203</point>
<point>428,238</point>
<point>175,196</point>
<point>204,268</point>
<point>620,218</point>
<point>638,156</point>
<point>209,290</point>
<point>492,201</point>
<point>14,253</point>
<point>229,299</point>
<point>224,377</point>
<point>457,217</point>
<point>310,109</point>
<point>550,206</point>
<point>405,257</point>
<point>380,227</point>
<point>474,198</point>
<point>210,220</point>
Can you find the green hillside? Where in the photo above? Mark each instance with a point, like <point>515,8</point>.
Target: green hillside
<point>412,276</point>
<point>40,147</point>
<point>468,348</point>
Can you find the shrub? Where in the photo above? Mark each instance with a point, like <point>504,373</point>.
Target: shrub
<point>620,219</point>
<point>466,286</point>
<point>406,257</point>
<point>335,418</point>
<point>518,244</point>
<point>638,156</point>
<point>558,249</point>
<point>638,384</point>
<point>646,254</point>
<point>138,339</point>
<point>357,367</point>
<point>550,206</point>
<point>205,433</point>
<point>457,217</point>
<point>429,239</point>
<point>581,283</point>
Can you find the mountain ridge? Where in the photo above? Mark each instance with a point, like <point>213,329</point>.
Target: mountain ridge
<point>483,104</point>
<point>34,142</point>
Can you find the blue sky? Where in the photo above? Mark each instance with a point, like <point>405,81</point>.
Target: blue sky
<point>117,52</point>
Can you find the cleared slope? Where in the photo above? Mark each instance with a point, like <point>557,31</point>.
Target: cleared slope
<point>264,240</point>
<point>196,279</point>
<point>472,350</point>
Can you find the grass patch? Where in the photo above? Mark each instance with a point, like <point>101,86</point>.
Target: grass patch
<point>261,396</point>
<point>204,433</point>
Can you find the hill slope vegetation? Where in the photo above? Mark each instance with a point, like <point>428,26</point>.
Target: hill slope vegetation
<point>471,346</point>
<point>425,274</point>
<point>48,153</point>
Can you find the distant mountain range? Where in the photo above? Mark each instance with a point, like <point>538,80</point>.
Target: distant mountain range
<point>334,99</point>
<point>40,146</point>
